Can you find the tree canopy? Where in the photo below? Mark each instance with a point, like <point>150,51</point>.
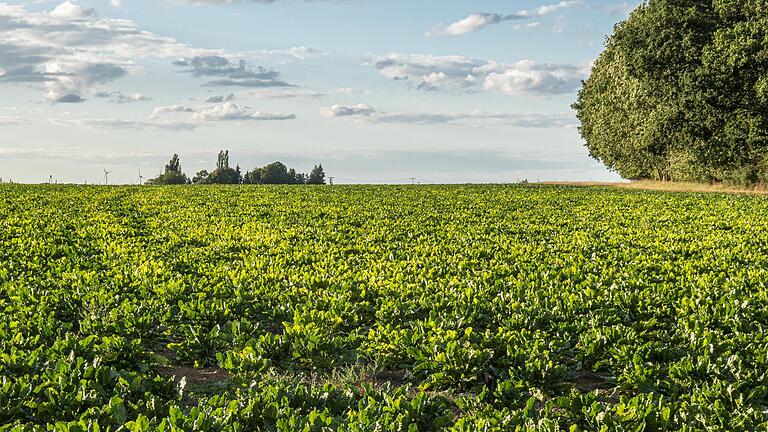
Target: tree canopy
<point>277,173</point>
<point>274,173</point>
<point>681,93</point>
<point>172,174</point>
<point>317,176</point>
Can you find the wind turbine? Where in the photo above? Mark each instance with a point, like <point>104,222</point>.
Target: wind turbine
<point>106,176</point>
<point>141,178</point>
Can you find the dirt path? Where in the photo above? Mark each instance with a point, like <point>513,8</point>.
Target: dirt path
<point>670,186</point>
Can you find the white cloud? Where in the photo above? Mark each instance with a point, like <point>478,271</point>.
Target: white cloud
<point>70,11</point>
<point>301,53</point>
<point>12,121</point>
<point>173,109</point>
<point>529,77</point>
<point>230,111</point>
<point>70,50</point>
<point>478,21</point>
<point>622,9</point>
<point>122,98</point>
<point>219,99</point>
<point>127,124</point>
<point>526,26</point>
<point>179,118</point>
<point>367,114</point>
<point>292,93</point>
<point>361,110</point>
<point>523,78</point>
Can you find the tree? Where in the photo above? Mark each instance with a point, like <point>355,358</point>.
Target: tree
<point>680,93</point>
<point>172,174</point>
<point>278,173</point>
<point>275,173</point>
<point>174,165</point>
<point>201,177</point>
<point>317,176</point>
<point>223,174</point>
<point>253,177</point>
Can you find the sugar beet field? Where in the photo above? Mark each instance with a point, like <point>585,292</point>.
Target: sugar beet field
<point>366,308</point>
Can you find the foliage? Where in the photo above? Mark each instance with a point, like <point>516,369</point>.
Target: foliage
<point>473,308</point>
<point>278,173</point>
<point>223,174</point>
<point>274,173</point>
<point>317,176</point>
<point>172,174</point>
<point>201,177</point>
<point>680,93</point>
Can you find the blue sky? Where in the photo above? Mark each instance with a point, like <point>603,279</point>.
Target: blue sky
<point>379,92</point>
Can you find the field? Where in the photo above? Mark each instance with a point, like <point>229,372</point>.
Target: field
<point>409,308</point>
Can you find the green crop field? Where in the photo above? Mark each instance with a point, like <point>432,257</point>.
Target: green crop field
<point>411,308</point>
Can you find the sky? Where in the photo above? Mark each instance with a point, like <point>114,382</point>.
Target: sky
<point>443,91</point>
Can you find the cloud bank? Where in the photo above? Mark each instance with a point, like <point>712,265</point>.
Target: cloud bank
<point>230,73</point>
<point>478,21</point>
<point>180,118</point>
<point>70,50</point>
<point>366,113</point>
<point>457,73</point>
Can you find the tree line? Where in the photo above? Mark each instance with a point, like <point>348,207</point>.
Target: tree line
<point>274,173</point>
<point>681,93</point>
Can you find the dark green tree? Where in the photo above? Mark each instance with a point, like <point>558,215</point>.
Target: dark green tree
<point>317,176</point>
<point>278,173</point>
<point>275,173</point>
<point>681,93</point>
<point>253,177</point>
<point>172,175</point>
<point>201,177</point>
<point>223,174</point>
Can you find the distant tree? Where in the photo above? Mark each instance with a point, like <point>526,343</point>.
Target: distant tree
<point>253,177</point>
<point>201,177</point>
<point>294,177</point>
<point>174,165</point>
<point>278,173</point>
<point>172,174</point>
<point>223,174</point>
<point>317,176</point>
<point>275,173</point>
<point>223,160</point>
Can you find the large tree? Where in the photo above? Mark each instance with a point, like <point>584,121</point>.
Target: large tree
<point>681,93</point>
<point>317,176</point>
<point>278,173</point>
<point>224,174</point>
<point>171,175</point>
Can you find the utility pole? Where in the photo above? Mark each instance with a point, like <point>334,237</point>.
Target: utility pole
<point>413,180</point>
<point>330,180</point>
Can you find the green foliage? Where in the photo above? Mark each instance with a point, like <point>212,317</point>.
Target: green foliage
<point>680,93</point>
<point>317,176</point>
<point>466,308</point>
<point>172,174</point>
<point>223,174</point>
<point>274,173</point>
<point>278,173</point>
